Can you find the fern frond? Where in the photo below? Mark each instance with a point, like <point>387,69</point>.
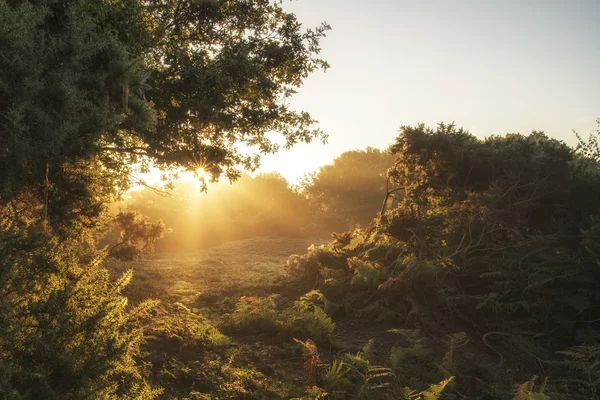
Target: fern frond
<point>434,391</point>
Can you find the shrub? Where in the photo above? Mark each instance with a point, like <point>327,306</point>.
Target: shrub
<point>254,315</point>
<point>65,329</point>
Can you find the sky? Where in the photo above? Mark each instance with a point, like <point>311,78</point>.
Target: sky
<point>492,67</point>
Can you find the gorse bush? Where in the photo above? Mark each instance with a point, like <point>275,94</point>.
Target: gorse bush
<point>66,331</point>
<point>93,92</point>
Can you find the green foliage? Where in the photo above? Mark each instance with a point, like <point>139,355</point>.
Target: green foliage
<point>315,324</point>
<point>138,82</point>
<point>503,215</point>
<point>254,314</point>
<point>401,357</point>
<point>335,376</point>
<point>261,315</point>
<point>353,375</point>
<point>584,362</point>
<point>367,274</point>
<point>367,352</point>
<point>208,379</point>
<point>61,85</point>
<point>66,331</point>
<point>435,391</point>
<point>92,91</point>
<point>590,149</point>
<point>185,328</point>
<point>500,234</point>
<point>308,266</point>
<point>455,341</point>
<point>138,235</point>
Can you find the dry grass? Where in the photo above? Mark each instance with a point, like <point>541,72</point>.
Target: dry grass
<point>240,267</point>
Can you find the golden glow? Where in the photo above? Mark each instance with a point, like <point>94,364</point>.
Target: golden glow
<point>264,205</point>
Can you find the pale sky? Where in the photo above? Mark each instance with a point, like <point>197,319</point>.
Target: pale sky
<point>491,66</point>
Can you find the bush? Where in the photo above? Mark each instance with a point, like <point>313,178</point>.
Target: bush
<point>65,329</point>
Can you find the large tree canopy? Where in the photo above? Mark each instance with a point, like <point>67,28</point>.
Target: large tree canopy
<point>179,83</point>
<point>90,92</point>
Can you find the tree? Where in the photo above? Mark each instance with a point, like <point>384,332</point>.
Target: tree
<point>180,84</point>
<point>263,205</point>
<point>350,190</point>
<point>90,92</point>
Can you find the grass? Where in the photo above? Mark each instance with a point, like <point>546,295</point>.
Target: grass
<point>232,325</point>
<point>199,293</point>
<point>244,267</point>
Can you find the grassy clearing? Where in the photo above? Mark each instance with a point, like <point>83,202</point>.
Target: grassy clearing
<point>225,288</point>
<point>241,267</point>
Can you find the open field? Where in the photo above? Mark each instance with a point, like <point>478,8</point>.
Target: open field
<point>243,267</point>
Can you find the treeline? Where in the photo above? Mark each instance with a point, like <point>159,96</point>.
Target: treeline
<point>337,197</point>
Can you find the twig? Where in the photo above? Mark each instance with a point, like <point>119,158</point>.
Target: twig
<point>501,357</point>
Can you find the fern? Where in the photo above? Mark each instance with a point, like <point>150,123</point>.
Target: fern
<point>448,365</point>
<point>318,325</point>
<point>525,391</point>
<point>434,391</point>
<point>399,355</point>
<point>335,376</point>
<point>584,362</point>
<point>367,273</point>
<point>312,362</point>
<point>368,350</point>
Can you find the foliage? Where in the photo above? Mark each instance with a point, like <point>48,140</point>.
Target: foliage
<point>66,331</point>
<point>335,376</point>
<point>138,82</point>
<point>525,391</point>
<point>313,365</point>
<point>502,216</point>
<point>184,328</point>
<point>590,149</point>
<point>309,265</point>
<point>261,315</point>
<point>254,314</point>
<point>584,361</point>
<point>313,321</point>
<point>138,235</point>
<point>367,273</point>
<point>455,341</point>
<point>92,91</point>
<point>494,237</point>
<point>206,379</point>
<point>61,85</point>
<point>349,191</point>
<point>435,391</point>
